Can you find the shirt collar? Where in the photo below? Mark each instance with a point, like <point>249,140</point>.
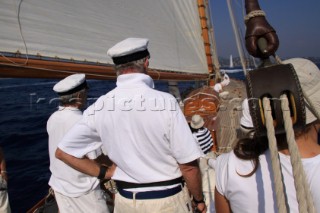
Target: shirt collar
<point>127,80</point>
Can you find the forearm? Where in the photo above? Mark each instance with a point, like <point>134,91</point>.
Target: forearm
<point>104,159</point>
<point>3,166</point>
<point>83,165</point>
<point>221,203</point>
<point>192,176</point>
<point>2,160</point>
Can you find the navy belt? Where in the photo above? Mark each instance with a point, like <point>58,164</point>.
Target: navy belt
<point>150,194</point>
<point>128,185</point>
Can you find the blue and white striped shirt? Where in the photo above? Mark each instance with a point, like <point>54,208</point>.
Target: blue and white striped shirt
<point>204,138</point>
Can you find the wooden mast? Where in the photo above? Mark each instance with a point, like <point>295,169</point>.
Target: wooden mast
<point>205,34</point>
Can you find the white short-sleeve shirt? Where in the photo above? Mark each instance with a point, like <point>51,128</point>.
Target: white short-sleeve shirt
<point>256,193</point>
<point>65,179</point>
<point>143,130</point>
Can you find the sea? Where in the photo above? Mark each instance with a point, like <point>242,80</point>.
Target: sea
<point>24,111</point>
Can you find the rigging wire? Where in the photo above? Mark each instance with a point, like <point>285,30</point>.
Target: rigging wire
<point>21,34</point>
<point>238,40</point>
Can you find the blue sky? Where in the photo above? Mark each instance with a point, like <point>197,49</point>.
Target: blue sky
<point>297,23</point>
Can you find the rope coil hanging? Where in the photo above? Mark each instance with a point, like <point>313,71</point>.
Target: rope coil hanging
<point>303,193</point>
<point>302,187</point>
<point>274,157</point>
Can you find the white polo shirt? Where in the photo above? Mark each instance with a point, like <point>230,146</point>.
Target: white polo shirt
<point>143,130</point>
<point>65,179</point>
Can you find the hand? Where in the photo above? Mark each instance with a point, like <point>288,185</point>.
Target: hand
<point>200,208</point>
<point>4,175</point>
<point>226,80</point>
<point>110,171</point>
<point>258,27</point>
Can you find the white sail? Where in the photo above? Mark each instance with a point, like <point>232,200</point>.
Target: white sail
<point>231,62</point>
<point>84,30</point>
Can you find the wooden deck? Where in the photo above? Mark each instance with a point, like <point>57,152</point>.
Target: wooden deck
<point>227,121</point>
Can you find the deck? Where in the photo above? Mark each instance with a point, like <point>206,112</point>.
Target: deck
<point>228,118</point>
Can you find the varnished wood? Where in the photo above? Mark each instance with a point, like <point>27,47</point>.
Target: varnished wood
<point>14,67</point>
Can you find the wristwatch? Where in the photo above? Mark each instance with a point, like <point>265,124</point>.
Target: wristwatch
<point>199,201</point>
<point>102,172</point>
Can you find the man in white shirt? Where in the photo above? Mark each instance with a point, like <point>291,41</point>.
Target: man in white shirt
<point>146,136</point>
<point>74,190</point>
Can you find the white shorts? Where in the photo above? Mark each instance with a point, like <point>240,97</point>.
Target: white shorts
<point>93,202</point>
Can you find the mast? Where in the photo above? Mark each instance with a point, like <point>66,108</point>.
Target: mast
<point>205,34</point>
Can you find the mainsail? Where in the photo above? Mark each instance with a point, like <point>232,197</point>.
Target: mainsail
<point>74,35</point>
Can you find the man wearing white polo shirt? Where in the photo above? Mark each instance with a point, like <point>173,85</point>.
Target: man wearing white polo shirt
<point>146,136</point>
<point>74,191</point>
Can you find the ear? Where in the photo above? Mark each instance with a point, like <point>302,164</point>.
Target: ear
<point>317,126</point>
<point>146,63</point>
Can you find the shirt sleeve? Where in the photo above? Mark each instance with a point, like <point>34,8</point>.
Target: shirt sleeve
<point>81,139</point>
<point>221,171</point>
<point>212,163</point>
<point>184,146</point>
<point>94,154</point>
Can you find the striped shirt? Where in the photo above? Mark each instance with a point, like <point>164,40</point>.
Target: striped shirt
<point>204,138</point>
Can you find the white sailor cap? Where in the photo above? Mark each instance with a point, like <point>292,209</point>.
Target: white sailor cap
<point>309,77</point>
<point>130,49</point>
<point>246,119</point>
<point>197,121</point>
<point>71,84</point>
<point>246,124</point>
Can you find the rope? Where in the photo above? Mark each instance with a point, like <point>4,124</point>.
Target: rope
<point>302,188</point>
<point>278,59</point>
<point>254,13</point>
<point>281,203</point>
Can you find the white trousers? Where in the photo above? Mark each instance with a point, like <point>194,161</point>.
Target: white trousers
<point>208,181</point>
<point>178,203</point>
<point>93,202</point>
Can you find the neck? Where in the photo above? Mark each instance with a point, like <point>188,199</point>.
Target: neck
<point>77,106</point>
<point>307,144</point>
<point>129,71</point>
